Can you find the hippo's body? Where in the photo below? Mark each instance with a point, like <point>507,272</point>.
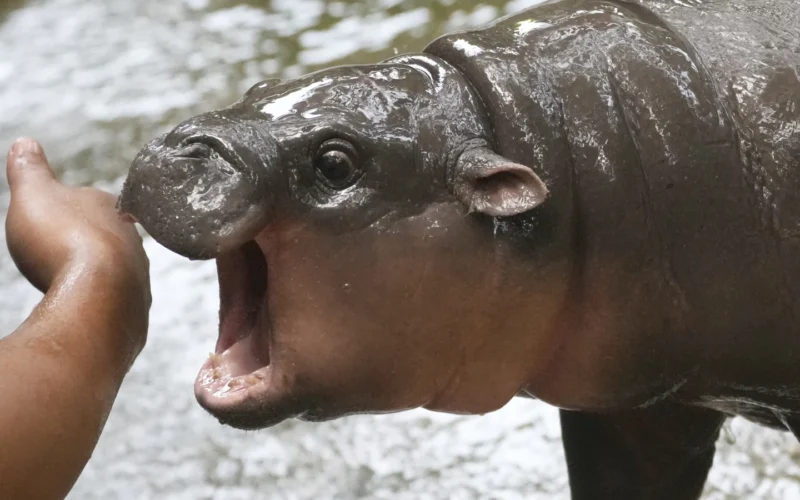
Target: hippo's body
<point>595,203</point>
<point>673,150</point>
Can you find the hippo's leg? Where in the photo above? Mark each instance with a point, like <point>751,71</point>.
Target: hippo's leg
<point>662,452</point>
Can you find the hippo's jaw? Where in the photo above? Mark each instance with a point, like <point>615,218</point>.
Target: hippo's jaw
<point>239,380</point>
<point>239,368</point>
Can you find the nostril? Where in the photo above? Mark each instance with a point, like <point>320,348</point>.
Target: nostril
<point>196,150</point>
<point>206,146</point>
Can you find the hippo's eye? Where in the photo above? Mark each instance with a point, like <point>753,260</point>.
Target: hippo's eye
<point>336,164</point>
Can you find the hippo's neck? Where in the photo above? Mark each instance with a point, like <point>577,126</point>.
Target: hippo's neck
<point>613,110</point>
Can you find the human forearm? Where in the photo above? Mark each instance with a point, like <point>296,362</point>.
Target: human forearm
<point>61,370</point>
<point>59,375</point>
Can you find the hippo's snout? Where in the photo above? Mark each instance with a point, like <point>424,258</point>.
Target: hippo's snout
<point>201,189</point>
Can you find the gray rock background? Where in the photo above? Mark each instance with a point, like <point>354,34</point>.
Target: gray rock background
<point>93,80</point>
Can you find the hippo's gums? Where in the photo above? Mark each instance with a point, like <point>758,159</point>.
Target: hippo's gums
<point>595,203</point>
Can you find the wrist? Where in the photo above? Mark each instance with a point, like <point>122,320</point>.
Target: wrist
<point>103,303</point>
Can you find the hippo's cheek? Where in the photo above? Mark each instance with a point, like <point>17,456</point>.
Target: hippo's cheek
<point>317,324</point>
<point>290,347</point>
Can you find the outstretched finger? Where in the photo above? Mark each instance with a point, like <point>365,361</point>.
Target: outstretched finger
<point>27,163</point>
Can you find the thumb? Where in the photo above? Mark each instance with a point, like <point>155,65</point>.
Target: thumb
<point>26,163</point>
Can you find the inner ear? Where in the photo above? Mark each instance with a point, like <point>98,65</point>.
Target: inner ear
<point>491,184</point>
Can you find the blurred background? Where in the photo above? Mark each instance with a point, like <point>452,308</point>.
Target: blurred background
<point>93,80</point>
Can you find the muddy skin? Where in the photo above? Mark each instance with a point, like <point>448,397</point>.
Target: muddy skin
<point>592,203</point>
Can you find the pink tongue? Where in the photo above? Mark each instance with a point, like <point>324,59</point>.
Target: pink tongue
<point>239,359</point>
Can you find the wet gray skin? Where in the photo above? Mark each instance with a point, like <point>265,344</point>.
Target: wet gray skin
<point>594,203</point>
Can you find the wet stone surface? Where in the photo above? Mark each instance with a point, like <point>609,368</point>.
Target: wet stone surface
<point>94,81</point>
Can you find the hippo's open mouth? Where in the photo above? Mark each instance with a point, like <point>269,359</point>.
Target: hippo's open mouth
<point>238,374</point>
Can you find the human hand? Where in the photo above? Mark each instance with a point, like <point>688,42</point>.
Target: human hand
<point>62,235</point>
<point>69,358</point>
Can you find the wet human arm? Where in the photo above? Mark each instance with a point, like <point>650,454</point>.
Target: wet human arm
<point>60,371</point>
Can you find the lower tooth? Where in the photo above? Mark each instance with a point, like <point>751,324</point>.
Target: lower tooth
<point>234,383</point>
<point>254,379</point>
<point>214,360</point>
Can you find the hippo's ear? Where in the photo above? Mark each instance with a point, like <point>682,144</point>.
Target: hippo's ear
<point>488,183</point>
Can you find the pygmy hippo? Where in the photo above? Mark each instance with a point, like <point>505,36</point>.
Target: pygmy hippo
<point>594,203</point>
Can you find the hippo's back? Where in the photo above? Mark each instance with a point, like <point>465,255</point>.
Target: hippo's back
<point>738,40</point>
<point>752,50</point>
<point>726,69</point>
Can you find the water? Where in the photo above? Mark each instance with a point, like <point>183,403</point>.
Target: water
<point>94,80</point>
